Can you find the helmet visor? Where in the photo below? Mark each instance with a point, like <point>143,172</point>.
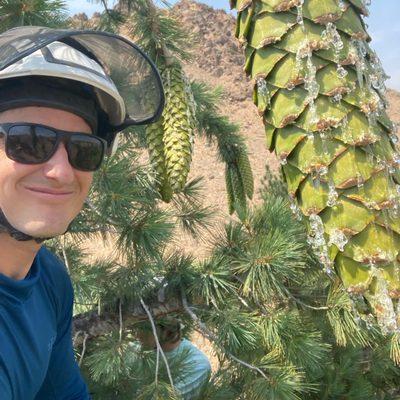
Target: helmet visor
<point>132,72</point>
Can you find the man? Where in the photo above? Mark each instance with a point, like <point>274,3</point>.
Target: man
<point>60,112</point>
<point>192,365</point>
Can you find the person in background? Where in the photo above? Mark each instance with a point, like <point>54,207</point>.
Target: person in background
<point>193,366</point>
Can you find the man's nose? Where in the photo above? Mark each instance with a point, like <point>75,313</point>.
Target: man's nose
<point>58,167</point>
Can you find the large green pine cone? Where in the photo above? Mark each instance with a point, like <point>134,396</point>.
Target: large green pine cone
<point>179,125</point>
<point>155,145</point>
<point>319,88</point>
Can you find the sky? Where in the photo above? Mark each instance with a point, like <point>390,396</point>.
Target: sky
<point>383,26</point>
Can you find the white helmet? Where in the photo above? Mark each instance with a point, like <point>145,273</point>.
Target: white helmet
<point>60,60</point>
<point>126,83</point>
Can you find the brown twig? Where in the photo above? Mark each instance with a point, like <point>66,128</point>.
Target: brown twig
<point>120,320</point>
<point>298,301</point>
<point>96,324</point>
<point>159,348</point>
<point>83,349</point>
<point>65,256</point>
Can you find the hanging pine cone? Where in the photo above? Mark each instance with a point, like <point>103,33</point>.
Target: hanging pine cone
<point>246,173</point>
<point>179,125</point>
<point>155,144</point>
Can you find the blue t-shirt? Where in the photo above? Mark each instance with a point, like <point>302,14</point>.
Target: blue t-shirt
<point>196,369</point>
<point>36,355</point>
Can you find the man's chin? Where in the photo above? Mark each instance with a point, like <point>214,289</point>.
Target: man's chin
<point>43,231</point>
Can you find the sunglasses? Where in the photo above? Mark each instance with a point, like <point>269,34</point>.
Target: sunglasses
<point>28,143</point>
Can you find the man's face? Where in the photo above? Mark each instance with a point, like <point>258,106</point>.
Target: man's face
<point>41,200</point>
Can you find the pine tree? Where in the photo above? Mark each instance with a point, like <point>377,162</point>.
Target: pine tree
<point>281,328</point>
<point>52,13</point>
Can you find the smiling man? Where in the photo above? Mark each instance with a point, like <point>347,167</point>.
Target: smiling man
<point>60,112</point>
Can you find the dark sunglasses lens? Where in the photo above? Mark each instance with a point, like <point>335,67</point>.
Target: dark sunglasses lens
<point>85,152</point>
<point>30,144</point>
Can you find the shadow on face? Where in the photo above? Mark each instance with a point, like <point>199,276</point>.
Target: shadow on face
<point>55,118</point>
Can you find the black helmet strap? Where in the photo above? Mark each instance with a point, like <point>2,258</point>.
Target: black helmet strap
<point>6,227</point>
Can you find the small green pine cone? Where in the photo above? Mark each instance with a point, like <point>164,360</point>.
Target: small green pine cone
<point>238,192</point>
<point>229,190</point>
<point>246,173</point>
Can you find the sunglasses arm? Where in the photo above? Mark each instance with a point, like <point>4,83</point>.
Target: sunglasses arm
<point>110,151</point>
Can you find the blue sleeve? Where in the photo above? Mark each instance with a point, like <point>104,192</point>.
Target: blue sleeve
<point>63,379</point>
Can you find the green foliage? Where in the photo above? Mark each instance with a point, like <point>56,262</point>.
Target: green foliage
<point>341,315</point>
<point>153,30</point>
<point>158,391</point>
<point>262,296</point>
<point>285,384</point>
<point>217,389</point>
<point>13,13</point>
<point>110,21</point>
<point>115,360</point>
<point>193,217</point>
<point>84,275</point>
<point>212,281</point>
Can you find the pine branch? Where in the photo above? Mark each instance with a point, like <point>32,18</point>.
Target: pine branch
<point>120,319</point>
<point>157,366</point>
<point>96,325</point>
<point>159,35</point>
<point>51,13</point>
<point>298,301</point>
<point>261,307</point>
<point>105,6</point>
<point>65,258</point>
<point>153,12</point>
<point>211,336</point>
<point>232,149</point>
<point>97,212</point>
<point>83,349</point>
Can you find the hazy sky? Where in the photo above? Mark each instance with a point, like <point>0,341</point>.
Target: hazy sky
<point>383,26</point>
